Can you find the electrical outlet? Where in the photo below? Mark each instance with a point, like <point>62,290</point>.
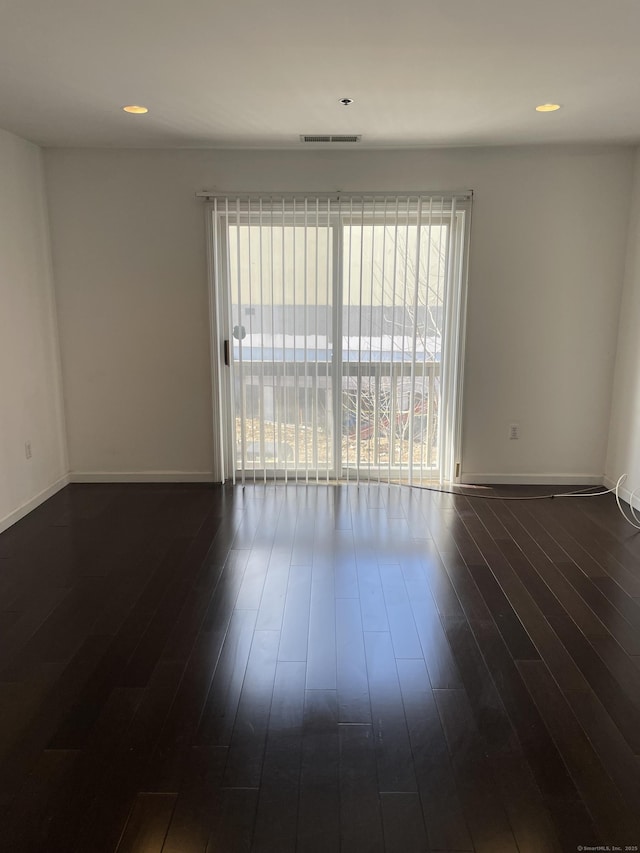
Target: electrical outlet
<point>27,450</point>
<point>514,432</point>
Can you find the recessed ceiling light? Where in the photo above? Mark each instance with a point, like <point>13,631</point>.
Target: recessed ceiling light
<point>135,109</point>
<point>346,101</point>
<point>547,108</point>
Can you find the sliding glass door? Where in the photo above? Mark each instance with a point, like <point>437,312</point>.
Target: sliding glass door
<point>337,330</point>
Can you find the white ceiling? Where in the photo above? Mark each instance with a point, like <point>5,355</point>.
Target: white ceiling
<point>258,73</point>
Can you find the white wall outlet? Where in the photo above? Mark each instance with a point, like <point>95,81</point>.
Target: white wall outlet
<point>514,432</point>
<point>27,450</point>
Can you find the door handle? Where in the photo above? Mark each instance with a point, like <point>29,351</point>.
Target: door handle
<point>227,359</point>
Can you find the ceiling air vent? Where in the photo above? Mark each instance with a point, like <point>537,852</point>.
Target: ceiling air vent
<point>315,137</point>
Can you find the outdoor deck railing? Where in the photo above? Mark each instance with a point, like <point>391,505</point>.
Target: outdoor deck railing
<point>388,421</point>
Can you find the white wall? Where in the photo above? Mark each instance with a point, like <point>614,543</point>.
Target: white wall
<point>547,261</point>
<point>30,395</point>
<point>624,438</point>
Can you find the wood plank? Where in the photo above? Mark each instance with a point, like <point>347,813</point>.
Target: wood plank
<point>321,654</point>
<point>351,666</point>
<point>443,814</point>
<point>94,761</point>
<point>121,779</point>
<point>394,758</point>
<point>277,811</point>
<point>235,818</point>
<point>274,592</point>
<point>485,815</point>
<point>246,747</point>
<point>23,751</point>
<point>319,803</point>
<point>617,626</point>
<point>404,830</point>
<point>38,802</point>
<point>198,802</point>
<point>612,749</point>
<point>615,823</point>
<point>360,814</point>
<point>618,704</point>
<point>219,712</point>
<point>295,624</point>
<point>443,672</point>
<point>148,823</point>
<point>406,643</point>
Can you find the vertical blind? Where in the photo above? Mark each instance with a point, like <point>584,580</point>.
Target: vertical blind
<point>338,329</point>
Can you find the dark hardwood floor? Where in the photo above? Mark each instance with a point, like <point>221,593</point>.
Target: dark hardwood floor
<point>192,669</point>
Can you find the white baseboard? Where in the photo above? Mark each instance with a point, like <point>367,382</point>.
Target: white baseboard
<point>532,479</point>
<point>625,494</point>
<point>141,477</point>
<point>30,505</point>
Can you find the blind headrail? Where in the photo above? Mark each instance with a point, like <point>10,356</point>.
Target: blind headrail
<point>338,195</point>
